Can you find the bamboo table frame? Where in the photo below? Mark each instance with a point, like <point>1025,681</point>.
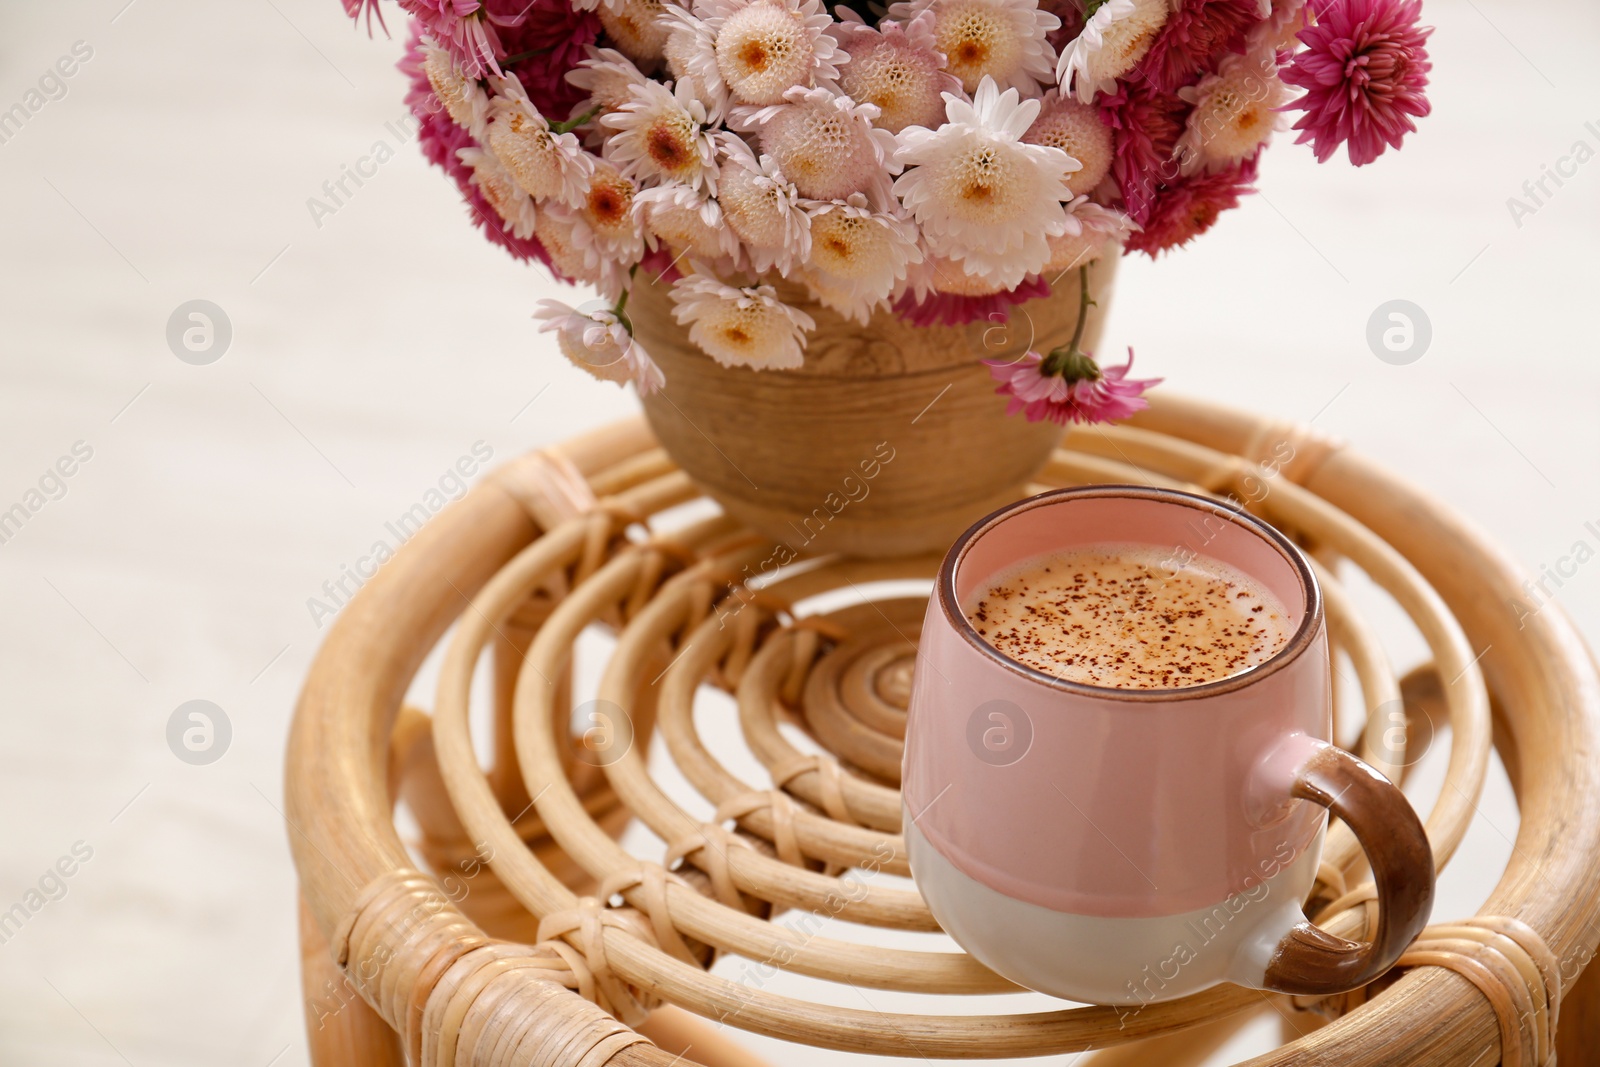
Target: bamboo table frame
<point>525,971</point>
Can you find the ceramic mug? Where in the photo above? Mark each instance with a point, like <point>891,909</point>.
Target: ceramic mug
<point>1127,846</point>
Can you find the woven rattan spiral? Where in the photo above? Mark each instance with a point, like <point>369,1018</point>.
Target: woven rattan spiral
<point>537,939</point>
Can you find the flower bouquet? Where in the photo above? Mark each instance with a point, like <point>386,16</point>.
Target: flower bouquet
<point>834,193</point>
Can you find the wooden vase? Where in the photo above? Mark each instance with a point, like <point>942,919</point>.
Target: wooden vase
<point>889,441</point>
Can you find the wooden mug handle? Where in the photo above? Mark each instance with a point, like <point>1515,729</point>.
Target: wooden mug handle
<point>1311,962</point>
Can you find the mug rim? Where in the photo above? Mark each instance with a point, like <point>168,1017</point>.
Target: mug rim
<point>1302,639</point>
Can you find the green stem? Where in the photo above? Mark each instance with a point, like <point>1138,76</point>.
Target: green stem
<point>510,61</point>
<point>621,310</point>
<point>573,123</point>
<point>1060,358</point>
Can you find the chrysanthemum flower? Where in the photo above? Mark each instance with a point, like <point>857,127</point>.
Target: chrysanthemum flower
<point>548,165</point>
<point>689,222</point>
<point>1281,22</point>
<point>501,190</point>
<point>608,77</point>
<point>571,261</point>
<point>980,193</point>
<point>354,8</point>
<point>858,255</point>
<point>660,134</point>
<point>1100,230</point>
<point>636,28</point>
<point>1189,206</point>
<point>690,53</point>
<point>1364,69</point>
<point>754,51</point>
<point>1001,39</point>
<point>1196,33</point>
<point>1115,38</point>
<point>597,341</point>
<point>1076,129</point>
<point>747,327</point>
<point>825,143</point>
<point>463,98</point>
<point>762,207</point>
<point>1146,124</point>
<point>1069,389</point>
<point>551,39</point>
<point>464,27</point>
<point>607,209</point>
<point>1235,112</point>
<point>898,68</point>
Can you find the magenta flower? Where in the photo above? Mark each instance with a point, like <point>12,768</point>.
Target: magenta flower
<point>1069,386</point>
<point>1364,69</point>
<point>466,28</point>
<point>1187,207</point>
<point>548,39</point>
<point>1146,124</point>
<point>1195,38</point>
<point>354,8</point>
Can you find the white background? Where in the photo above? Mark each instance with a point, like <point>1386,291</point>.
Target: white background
<point>372,351</point>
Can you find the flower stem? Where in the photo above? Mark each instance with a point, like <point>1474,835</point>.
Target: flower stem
<point>1067,358</point>
<point>621,310</point>
<point>573,123</point>
<point>510,61</point>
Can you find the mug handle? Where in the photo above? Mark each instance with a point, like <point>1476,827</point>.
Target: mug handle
<point>1311,962</point>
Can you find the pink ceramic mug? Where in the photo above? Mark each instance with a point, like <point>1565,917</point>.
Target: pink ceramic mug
<point>1126,846</point>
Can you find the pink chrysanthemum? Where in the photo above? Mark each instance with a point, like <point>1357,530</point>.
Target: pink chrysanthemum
<point>354,8</point>
<point>933,308</point>
<point>1188,206</point>
<point>1364,69</point>
<point>1147,124</point>
<point>552,38</point>
<point>1068,388</point>
<point>467,28</point>
<point>1196,35</point>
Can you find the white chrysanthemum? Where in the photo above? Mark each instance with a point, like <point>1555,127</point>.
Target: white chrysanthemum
<point>548,165</point>
<point>940,274</point>
<point>661,134</point>
<point>1281,22</point>
<point>463,98</point>
<point>595,340</point>
<point>636,28</point>
<point>1100,230</point>
<point>608,77</point>
<point>898,69</point>
<point>764,48</point>
<point>981,194</point>
<point>858,256</point>
<point>1001,39</point>
<point>607,209</point>
<point>1235,112</point>
<point>498,187</point>
<point>691,55</point>
<point>1076,129</point>
<point>747,327</point>
<point>762,207</point>
<point>1114,39</point>
<point>825,143</point>
<point>557,231</point>
<point>689,222</point>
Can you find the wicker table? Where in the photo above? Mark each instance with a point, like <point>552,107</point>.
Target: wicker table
<point>536,939</point>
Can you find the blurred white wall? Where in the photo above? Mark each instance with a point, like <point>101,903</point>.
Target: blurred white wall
<point>373,347</point>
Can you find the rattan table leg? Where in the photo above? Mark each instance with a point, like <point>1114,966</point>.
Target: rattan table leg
<point>342,1028</point>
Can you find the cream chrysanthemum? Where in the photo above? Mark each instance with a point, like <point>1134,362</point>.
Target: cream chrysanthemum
<point>463,98</point>
<point>941,274</point>
<point>1100,229</point>
<point>557,232</point>
<point>1076,129</point>
<point>607,208</point>
<point>825,143</point>
<point>1114,39</point>
<point>660,134</point>
<point>1235,112</point>
<point>636,28</point>
<point>608,77</point>
<point>747,327</point>
<point>762,208</point>
<point>688,222</point>
<point>858,256</point>
<point>898,69</point>
<point>1002,39</point>
<point>547,165</point>
<point>980,193</point>
<point>597,341</point>
<point>500,189</point>
<point>691,55</point>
